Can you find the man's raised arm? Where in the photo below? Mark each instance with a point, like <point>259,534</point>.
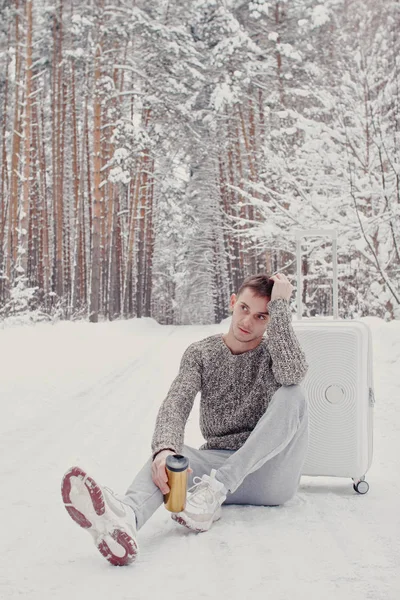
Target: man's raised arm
<point>289,364</point>
<point>174,411</point>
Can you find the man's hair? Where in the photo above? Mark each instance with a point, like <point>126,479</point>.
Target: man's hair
<point>261,285</point>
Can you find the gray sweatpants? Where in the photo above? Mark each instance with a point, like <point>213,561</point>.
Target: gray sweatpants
<point>265,471</point>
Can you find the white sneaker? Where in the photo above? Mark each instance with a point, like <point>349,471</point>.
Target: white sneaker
<point>111,523</point>
<point>203,503</point>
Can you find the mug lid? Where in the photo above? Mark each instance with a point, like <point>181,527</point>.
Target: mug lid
<point>177,462</point>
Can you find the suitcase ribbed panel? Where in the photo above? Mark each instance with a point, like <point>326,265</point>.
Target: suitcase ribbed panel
<point>337,389</point>
<point>339,384</point>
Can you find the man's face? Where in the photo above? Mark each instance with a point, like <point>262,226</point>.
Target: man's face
<point>249,320</point>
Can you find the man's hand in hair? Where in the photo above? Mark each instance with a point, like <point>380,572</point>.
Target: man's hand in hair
<point>282,287</point>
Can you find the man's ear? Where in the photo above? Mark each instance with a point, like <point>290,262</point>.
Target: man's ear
<point>232,302</point>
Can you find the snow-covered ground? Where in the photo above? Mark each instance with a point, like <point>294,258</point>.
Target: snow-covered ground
<point>85,394</point>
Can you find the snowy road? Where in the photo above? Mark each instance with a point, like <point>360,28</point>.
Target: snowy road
<point>78,393</point>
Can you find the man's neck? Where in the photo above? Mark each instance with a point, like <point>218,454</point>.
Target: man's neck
<point>237,347</point>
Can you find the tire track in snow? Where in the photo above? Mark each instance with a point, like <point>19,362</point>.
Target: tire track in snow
<point>61,417</point>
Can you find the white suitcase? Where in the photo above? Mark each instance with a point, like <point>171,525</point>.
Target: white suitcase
<point>338,385</point>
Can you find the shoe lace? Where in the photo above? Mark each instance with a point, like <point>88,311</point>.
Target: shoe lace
<point>200,492</point>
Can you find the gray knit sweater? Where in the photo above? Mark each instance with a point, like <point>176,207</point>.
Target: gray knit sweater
<point>235,388</point>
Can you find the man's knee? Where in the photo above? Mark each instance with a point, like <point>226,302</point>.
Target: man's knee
<point>294,395</point>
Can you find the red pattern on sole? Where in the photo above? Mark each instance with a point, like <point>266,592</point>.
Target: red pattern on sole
<point>123,540</point>
<point>78,517</point>
<point>182,521</point>
<point>96,496</point>
<point>94,490</point>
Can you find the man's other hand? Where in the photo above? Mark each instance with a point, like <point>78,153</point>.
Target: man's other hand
<point>159,472</point>
<point>282,287</point>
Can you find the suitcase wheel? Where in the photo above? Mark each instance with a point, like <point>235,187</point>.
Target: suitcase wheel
<point>361,487</point>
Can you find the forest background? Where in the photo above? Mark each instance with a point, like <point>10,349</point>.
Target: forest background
<point>153,154</point>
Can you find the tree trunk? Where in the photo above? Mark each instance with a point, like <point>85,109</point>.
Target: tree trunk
<point>149,247</point>
<point>134,198</point>
<point>244,210</point>
<point>224,202</point>
<point>278,54</point>
<point>65,226</point>
<point>35,270</point>
<point>235,247</point>
<point>24,212</point>
<point>12,236</point>
<point>4,183</point>
<point>113,281</point>
<point>44,222</point>
<point>97,198</point>
<point>57,166</point>
<point>76,299</point>
<point>141,239</point>
<point>89,181</point>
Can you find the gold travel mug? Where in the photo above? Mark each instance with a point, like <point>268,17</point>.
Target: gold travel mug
<point>176,466</point>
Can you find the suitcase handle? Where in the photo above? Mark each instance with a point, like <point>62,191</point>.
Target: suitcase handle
<point>300,234</point>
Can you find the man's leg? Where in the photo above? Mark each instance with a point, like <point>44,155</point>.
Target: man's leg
<point>266,470</point>
<point>145,497</point>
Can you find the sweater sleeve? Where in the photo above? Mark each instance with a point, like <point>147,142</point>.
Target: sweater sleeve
<point>175,409</point>
<point>289,364</point>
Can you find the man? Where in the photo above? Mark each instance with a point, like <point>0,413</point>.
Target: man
<point>253,416</point>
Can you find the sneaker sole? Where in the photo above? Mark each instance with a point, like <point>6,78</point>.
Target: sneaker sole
<point>186,522</point>
<point>119,535</point>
